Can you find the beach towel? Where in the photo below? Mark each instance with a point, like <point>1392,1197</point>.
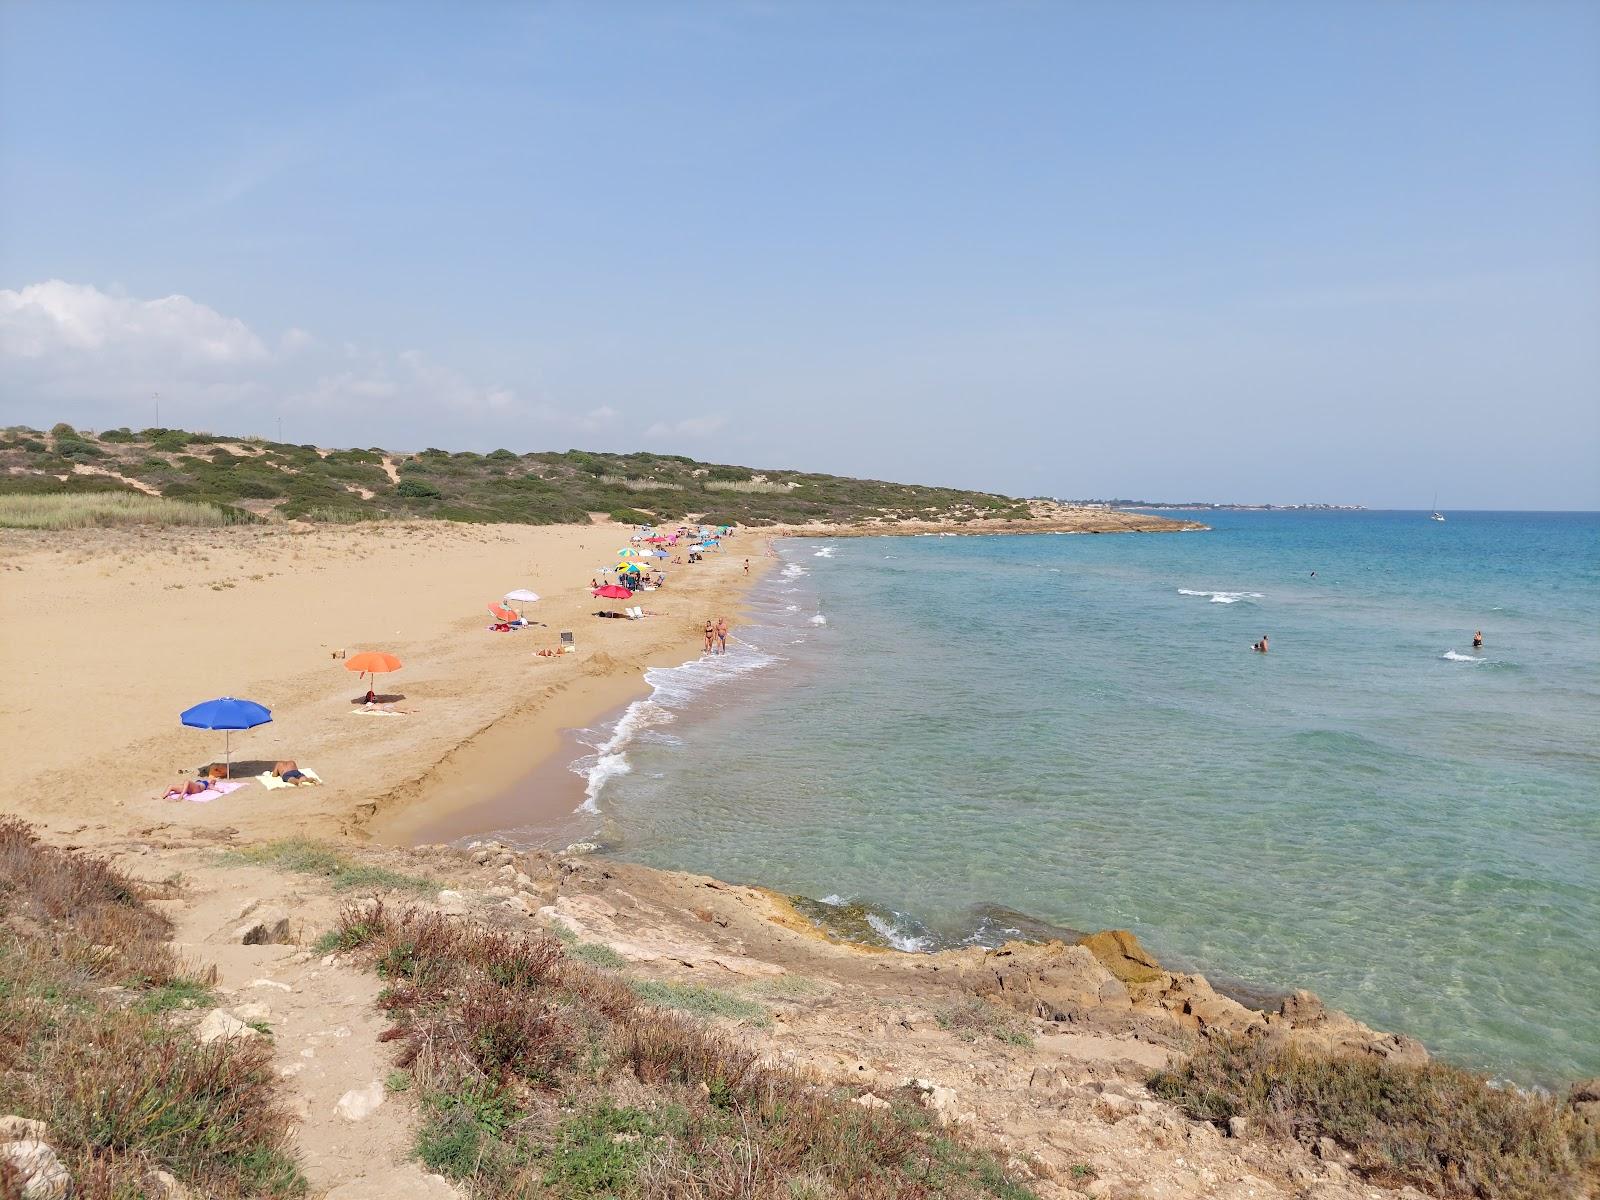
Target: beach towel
<point>378,712</point>
<point>220,788</point>
<point>270,781</point>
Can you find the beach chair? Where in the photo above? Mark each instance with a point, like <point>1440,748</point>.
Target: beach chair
<point>567,644</point>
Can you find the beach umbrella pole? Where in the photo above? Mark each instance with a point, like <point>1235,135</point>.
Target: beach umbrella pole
<point>227,754</point>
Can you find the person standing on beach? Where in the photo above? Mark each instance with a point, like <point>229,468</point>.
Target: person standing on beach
<point>747,566</point>
<point>710,633</point>
<point>722,635</point>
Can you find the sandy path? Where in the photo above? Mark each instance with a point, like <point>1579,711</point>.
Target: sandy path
<point>105,636</point>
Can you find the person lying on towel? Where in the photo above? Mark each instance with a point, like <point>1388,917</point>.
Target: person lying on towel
<point>290,772</point>
<point>192,787</point>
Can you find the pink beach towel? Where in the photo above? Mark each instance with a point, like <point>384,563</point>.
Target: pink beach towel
<point>220,788</point>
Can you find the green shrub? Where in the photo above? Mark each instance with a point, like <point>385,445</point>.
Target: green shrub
<point>630,516</point>
<point>120,434</point>
<point>416,489</point>
<point>169,439</point>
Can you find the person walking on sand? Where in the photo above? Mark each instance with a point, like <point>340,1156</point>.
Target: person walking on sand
<point>710,633</point>
<point>722,635</point>
<point>747,566</point>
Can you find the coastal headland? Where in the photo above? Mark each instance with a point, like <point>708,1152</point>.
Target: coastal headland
<point>1045,1054</point>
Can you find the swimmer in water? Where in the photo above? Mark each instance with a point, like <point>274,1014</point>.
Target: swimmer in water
<point>1477,639</point>
<point>1261,646</point>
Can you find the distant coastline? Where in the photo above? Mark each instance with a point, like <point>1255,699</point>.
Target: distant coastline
<point>1207,506</point>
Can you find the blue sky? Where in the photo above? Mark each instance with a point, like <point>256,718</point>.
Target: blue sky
<point>1344,252</point>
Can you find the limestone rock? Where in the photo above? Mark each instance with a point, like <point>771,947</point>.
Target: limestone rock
<point>219,1023</point>
<point>452,903</point>
<point>38,1169</point>
<point>266,927</point>
<point>406,1182</point>
<point>163,1185</point>
<point>23,1129</point>
<point>1238,1126</point>
<point>360,1103</point>
<point>1053,980</point>
<point>1121,954</point>
<point>941,1101</point>
<point>868,1100</point>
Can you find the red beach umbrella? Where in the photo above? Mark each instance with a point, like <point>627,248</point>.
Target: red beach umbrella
<point>612,592</point>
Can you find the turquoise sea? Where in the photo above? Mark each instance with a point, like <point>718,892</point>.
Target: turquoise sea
<point>970,734</point>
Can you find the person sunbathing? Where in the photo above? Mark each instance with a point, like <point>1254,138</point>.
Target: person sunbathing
<point>290,772</point>
<point>192,787</point>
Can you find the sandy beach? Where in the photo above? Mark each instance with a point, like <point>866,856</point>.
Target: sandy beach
<point>108,635</point>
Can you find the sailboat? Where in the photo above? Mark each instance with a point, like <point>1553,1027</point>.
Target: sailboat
<point>1437,515</point>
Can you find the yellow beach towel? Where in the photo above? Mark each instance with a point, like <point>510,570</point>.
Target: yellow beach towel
<point>270,781</point>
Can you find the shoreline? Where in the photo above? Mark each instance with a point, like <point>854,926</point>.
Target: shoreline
<point>518,730</point>
<point>491,771</point>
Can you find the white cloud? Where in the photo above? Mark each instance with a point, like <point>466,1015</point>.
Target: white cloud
<point>688,427</point>
<point>295,340</point>
<point>54,318</point>
<point>74,351</point>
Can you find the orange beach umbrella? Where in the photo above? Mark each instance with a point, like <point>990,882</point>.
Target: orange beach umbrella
<point>501,613</point>
<point>372,662</point>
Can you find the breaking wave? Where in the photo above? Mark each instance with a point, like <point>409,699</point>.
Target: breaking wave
<point>1223,597</point>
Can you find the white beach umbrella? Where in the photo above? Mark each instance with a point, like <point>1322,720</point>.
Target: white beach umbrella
<point>522,596</point>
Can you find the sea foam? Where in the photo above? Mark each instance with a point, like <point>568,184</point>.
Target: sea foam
<point>1452,656</point>
<point>819,619</point>
<point>825,552</point>
<point>1223,597</point>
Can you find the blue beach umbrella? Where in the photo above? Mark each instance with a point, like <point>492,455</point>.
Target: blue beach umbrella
<point>227,714</point>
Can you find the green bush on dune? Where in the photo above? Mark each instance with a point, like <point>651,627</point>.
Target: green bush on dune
<point>294,481</point>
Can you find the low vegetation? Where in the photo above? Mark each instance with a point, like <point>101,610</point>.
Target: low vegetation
<point>1437,1127</point>
<point>700,1001</point>
<point>313,858</point>
<point>89,1047</point>
<point>973,1018</point>
<point>245,478</point>
<point>85,510</point>
<point>542,1076</point>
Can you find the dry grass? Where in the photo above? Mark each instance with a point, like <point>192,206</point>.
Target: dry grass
<point>86,980</point>
<point>543,1076</point>
<point>87,510</point>
<point>639,485</point>
<point>748,487</point>
<point>1435,1126</point>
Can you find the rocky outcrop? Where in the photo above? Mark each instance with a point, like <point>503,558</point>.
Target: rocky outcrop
<point>29,1163</point>
<point>1109,983</point>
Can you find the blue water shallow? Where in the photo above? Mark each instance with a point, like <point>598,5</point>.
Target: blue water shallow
<point>1050,724</point>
